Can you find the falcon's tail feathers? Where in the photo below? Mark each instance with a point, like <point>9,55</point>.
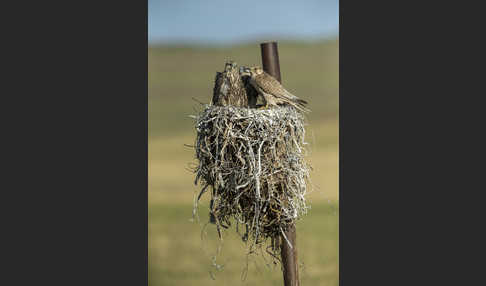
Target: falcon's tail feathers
<point>301,101</point>
<point>300,105</point>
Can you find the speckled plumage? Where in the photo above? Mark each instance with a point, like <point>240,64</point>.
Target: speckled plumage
<point>229,88</point>
<point>271,89</point>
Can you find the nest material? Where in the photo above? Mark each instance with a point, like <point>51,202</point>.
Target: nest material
<point>253,162</point>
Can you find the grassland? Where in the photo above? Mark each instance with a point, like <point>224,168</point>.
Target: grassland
<point>177,255</point>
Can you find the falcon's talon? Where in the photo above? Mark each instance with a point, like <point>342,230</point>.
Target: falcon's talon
<point>263,107</point>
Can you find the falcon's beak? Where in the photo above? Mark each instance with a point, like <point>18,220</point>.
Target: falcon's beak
<point>245,71</point>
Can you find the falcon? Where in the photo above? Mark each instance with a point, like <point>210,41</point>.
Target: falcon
<point>271,90</point>
<point>229,88</point>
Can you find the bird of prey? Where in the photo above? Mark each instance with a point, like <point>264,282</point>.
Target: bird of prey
<point>271,89</point>
<point>229,88</point>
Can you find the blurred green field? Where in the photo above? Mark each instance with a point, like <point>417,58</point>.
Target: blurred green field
<point>177,255</point>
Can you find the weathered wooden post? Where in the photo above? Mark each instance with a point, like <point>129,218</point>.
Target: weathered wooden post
<point>271,65</point>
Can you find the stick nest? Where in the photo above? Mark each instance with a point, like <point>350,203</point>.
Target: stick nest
<point>253,162</point>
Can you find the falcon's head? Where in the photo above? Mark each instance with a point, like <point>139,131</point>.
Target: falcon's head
<point>252,71</point>
<point>230,65</point>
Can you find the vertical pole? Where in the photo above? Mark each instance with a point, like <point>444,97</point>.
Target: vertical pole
<point>271,66</point>
<point>270,61</point>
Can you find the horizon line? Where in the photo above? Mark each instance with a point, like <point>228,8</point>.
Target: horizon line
<point>250,40</point>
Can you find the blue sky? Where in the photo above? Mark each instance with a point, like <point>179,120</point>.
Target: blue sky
<point>227,22</point>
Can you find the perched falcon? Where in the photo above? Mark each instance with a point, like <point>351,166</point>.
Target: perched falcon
<point>229,88</point>
<point>271,90</point>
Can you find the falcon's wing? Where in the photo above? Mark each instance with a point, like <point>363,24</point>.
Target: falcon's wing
<point>269,84</point>
<point>272,86</point>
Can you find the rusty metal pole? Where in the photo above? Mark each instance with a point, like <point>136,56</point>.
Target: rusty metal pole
<point>271,65</point>
<point>270,61</point>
